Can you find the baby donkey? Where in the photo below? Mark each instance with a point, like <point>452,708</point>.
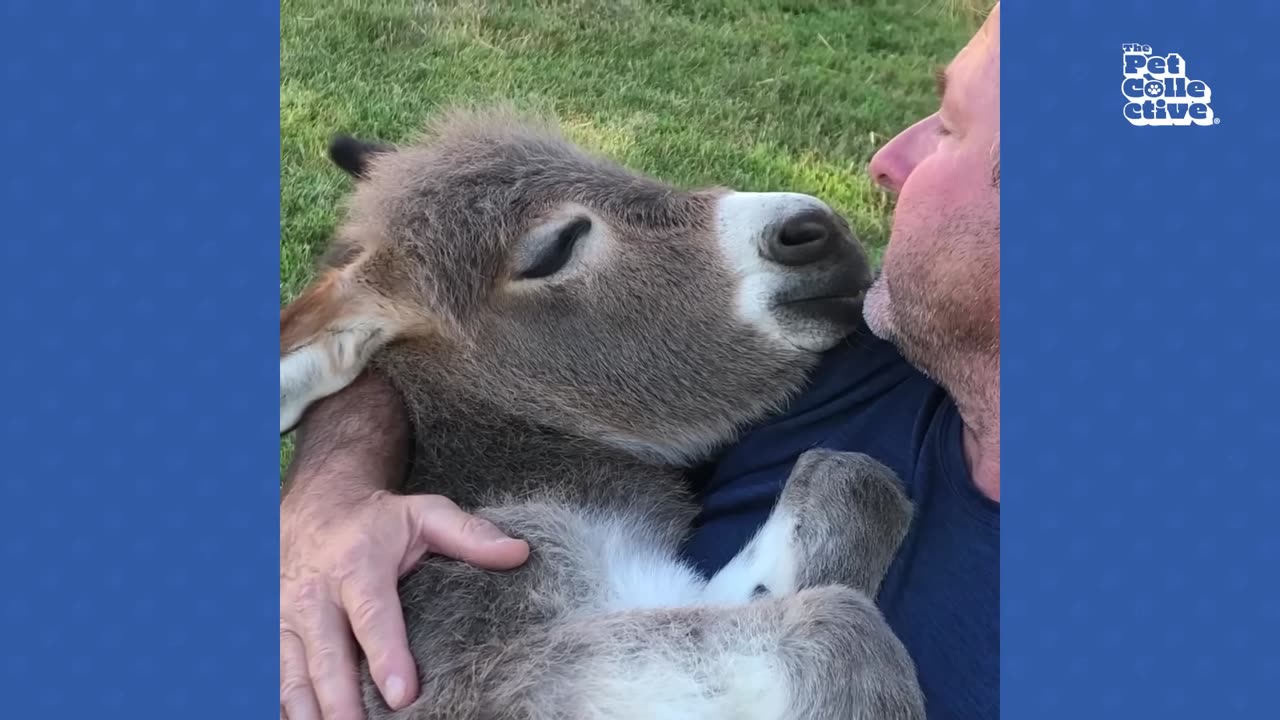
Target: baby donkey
<point>569,338</point>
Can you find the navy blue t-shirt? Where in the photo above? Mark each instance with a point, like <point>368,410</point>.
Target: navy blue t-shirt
<point>942,593</point>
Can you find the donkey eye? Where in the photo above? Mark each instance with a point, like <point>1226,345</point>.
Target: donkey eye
<point>556,254</point>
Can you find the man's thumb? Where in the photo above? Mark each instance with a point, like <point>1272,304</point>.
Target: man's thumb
<point>453,533</point>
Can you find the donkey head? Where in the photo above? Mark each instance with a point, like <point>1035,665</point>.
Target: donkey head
<point>535,277</point>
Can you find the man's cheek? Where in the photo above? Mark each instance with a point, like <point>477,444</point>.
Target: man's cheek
<point>940,175</point>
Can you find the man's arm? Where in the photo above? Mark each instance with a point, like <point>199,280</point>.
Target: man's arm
<point>345,539</point>
<point>351,444</point>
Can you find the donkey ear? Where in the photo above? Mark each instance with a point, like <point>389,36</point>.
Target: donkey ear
<point>327,336</point>
<point>353,155</point>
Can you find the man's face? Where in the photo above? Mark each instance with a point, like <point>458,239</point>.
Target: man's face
<point>938,295</point>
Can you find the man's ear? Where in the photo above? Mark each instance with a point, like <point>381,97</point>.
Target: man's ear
<point>327,336</point>
<point>354,155</point>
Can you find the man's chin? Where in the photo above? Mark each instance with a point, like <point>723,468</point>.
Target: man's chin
<point>877,309</point>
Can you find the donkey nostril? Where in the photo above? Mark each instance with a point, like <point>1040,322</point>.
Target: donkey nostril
<point>802,233</point>
<point>806,238</point>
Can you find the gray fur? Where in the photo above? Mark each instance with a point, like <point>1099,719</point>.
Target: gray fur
<point>854,548</point>
<point>566,413</point>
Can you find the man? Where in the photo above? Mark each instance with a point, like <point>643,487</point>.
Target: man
<point>922,395</point>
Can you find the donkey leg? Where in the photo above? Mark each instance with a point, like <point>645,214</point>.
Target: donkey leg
<point>821,654</point>
<point>840,519</point>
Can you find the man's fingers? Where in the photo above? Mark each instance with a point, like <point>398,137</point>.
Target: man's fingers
<point>297,699</point>
<point>376,618</point>
<point>449,531</point>
<point>331,662</point>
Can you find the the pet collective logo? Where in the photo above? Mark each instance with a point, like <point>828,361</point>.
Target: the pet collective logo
<point>1159,92</point>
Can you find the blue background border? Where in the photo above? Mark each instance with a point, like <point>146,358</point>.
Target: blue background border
<point>138,522</point>
<point>1140,371</point>
<point>139,511</point>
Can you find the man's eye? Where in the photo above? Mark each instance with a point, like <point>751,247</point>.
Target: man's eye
<point>556,255</point>
<point>943,130</point>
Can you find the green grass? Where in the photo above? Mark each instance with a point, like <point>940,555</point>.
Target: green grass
<point>769,95</point>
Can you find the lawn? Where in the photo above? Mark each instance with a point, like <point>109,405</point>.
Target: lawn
<point>766,95</point>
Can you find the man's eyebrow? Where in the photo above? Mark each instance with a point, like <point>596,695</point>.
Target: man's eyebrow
<point>940,77</point>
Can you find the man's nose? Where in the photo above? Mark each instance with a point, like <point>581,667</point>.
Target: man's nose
<point>889,168</point>
<point>893,164</point>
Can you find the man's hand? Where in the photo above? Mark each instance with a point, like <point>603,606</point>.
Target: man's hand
<point>338,572</point>
<point>345,541</point>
